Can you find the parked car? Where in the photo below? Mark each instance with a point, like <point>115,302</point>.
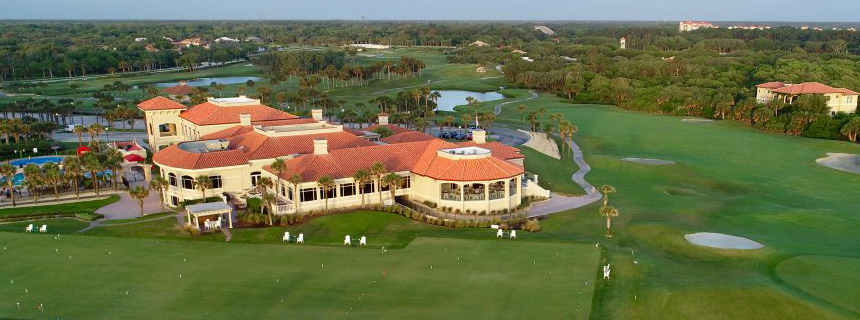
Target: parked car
<point>71,127</point>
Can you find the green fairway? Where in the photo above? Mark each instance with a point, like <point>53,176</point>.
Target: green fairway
<point>728,179</point>
<point>432,278</point>
<point>833,279</point>
<point>55,226</point>
<point>72,207</point>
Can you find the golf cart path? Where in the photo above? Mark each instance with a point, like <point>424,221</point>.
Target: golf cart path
<point>558,202</point>
<point>532,95</point>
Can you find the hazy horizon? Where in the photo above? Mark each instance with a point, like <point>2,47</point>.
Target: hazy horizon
<point>439,10</point>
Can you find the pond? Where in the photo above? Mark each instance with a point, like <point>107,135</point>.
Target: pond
<point>453,98</point>
<point>205,82</point>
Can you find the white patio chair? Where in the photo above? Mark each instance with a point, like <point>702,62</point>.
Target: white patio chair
<point>362,241</point>
<point>494,226</point>
<point>29,228</point>
<point>347,241</point>
<point>606,271</point>
<point>513,234</point>
<point>301,238</point>
<point>500,233</point>
<point>207,224</point>
<point>43,229</point>
<point>286,236</point>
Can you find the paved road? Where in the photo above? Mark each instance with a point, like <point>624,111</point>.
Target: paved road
<point>557,202</point>
<point>127,208</point>
<point>532,95</point>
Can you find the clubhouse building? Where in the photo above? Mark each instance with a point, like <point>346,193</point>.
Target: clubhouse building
<point>838,99</point>
<point>234,141</point>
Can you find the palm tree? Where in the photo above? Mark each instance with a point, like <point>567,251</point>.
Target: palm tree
<point>606,189</point>
<point>522,110</point>
<point>139,193</point>
<point>73,170</point>
<point>296,180</point>
<point>280,167</point>
<point>609,212</point>
<point>268,199</point>
<point>325,184</point>
<point>113,161</point>
<point>392,180</point>
<point>8,172</point>
<point>377,169</point>
<point>159,184</point>
<point>851,128</point>
<point>203,182</point>
<point>361,177</point>
<point>79,130</point>
<point>33,179</point>
<point>92,164</point>
<point>95,130</point>
<point>449,121</point>
<point>54,177</point>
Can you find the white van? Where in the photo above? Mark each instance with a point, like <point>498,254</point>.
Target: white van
<point>71,128</point>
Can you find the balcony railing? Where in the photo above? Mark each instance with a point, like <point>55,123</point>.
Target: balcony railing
<point>497,195</point>
<point>451,196</point>
<point>474,197</point>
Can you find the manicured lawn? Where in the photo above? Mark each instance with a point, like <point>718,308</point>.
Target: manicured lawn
<point>553,174</point>
<point>55,226</point>
<point>833,279</point>
<point>138,219</point>
<point>73,207</point>
<point>728,179</point>
<point>432,278</point>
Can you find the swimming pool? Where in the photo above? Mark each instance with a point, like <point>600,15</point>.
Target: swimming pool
<point>37,161</point>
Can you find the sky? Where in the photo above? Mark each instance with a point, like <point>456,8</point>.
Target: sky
<point>528,10</point>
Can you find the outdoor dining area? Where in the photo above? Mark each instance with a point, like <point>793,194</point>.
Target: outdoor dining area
<point>209,217</point>
<point>473,191</point>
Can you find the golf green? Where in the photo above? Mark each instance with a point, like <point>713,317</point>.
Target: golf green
<point>89,277</point>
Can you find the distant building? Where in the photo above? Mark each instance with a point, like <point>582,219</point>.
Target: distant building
<point>139,39</point>
<point>179,92</point>
<point>528,59</point>
<point>695,25</point>
<point>623,43</point>
<point>751,27</point>
<point>190,42</point>
<point>481,69</point>
<point>226,40</point>
<point>253,39</point>
<point>479,43</point>
<point>838,99</point>
<point>151,48</point>
<point>545,30</point>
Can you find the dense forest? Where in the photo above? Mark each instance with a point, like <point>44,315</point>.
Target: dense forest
<point>707,73</point>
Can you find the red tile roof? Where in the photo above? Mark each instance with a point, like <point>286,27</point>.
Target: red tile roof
<point>239,129</point>
<point>772,85</point>
<point>419,157</point>
<point>180,89</point>
<point>174,157</point>
<point>811,88</point>
<point>407,136</point>
<point>259,146</point>
<point>211,114</point>
<point>160,103</point>
<point>499,150</point>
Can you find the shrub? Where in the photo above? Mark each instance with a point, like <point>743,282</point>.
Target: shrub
<point>89,216</point>
<point>532,225</point>
<point>460,224</point>
<point>457,211</point>
<point>504,225</point>
<point>483,212</point>
<point>484,224</point>
<point>414,214</point>
<point>505,211</point>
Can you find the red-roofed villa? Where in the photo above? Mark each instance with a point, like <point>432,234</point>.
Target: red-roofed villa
<point>234,142</point>
<point>838,99</point>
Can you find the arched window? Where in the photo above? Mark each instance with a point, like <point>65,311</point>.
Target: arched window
<point>187,182</point>
<point>255,178</point>
<point>171,179</point>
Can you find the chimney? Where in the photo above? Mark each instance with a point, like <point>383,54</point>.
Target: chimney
<point>383,119</point>
<point>317,114</point>
<point>320,146</point>
<point>479,136</point>
<point>245,119</point>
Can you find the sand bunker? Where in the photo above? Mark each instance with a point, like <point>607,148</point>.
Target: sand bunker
<point>841,161</point>
<point>721,241</point>
<point>652,162</point>
<point>694,120</point>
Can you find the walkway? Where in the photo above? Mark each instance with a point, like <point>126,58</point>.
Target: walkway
<point>127,208</point>
<point>557,202</point>
<point>532,95</point>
